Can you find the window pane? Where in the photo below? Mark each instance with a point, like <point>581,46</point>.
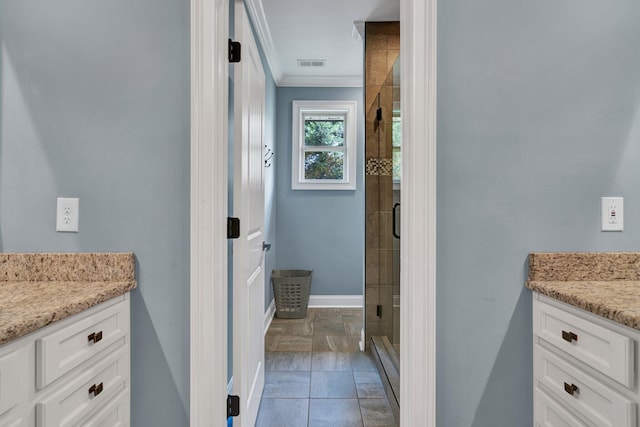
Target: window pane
<point>324,165</point>
<point>396,132</point>
<point>397,164</point>
<point>325,131</point>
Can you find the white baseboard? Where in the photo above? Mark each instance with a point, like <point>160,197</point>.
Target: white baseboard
<point>268,315</point>
<point>323,301</point>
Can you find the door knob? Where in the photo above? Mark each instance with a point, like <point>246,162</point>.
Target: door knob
<point>266,246</point>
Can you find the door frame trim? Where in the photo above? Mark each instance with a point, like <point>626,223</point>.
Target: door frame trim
<point>418,47</point>
<point>208,257</point>
<point>208,283</point>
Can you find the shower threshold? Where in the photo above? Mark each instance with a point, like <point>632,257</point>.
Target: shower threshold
<point>386,358</point>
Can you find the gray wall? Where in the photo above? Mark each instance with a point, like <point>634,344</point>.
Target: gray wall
<point>95,104</point>
<point>537,119</point>
<point>321,231</point>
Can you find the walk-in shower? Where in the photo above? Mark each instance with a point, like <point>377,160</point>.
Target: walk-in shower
<point>383,188</point>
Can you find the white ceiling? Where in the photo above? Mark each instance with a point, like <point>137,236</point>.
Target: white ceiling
<point>316,29</point>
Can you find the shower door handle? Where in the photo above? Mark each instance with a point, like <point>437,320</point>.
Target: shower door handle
<point>395,220</point>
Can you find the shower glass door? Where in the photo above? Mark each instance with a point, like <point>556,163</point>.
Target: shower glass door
<point>396,147</point>
<point>383,121</point>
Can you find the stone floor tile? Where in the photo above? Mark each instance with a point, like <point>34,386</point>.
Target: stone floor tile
<point>290,328</point>
<point>353,327</point>
<point>330,361</point>
<point>329,327</point>
<point>336,343</point>
<point>334,385</point>
<point>280,384</point>
<point>370,390</point>
<point>334,413</point>
<point>294,343</point>
<point>283,413</point>
<point>376,413</point>
<point>364,377</point>
<point>287,361</point>
<point>363,361</point>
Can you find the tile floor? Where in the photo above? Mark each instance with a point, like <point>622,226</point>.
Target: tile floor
<point>316,375</point>
<point>323,329</point>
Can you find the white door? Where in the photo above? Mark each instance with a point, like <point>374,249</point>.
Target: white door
<point>248,205</point>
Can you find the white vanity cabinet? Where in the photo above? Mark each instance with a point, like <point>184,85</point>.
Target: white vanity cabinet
<point>75,372</point>
<point>585,368</point>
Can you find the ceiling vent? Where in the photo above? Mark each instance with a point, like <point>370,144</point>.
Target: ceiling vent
<point>315,63</point>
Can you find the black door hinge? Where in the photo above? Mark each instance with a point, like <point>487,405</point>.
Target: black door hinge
<point>233,406</point>
<point>233,228</point>
<point>235,50</point>
<point>379,311</point>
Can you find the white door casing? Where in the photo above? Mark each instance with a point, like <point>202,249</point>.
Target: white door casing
<point>209,103</point>
<point>209,192</point>
<point>248,201</point>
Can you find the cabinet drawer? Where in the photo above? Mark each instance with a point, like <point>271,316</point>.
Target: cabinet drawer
<point>582,393</point>
<point>114,414</point>
<point>65,349</point>
<point>89,391</point>
<point>603,349</point>
<point>13,371</point>
<point>548,413</point>
<point>14,422</point>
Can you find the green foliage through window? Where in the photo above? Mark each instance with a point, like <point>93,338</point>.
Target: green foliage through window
<point>328,133</point>
<point>324,147</point>
<point>397,144</point>
<point>323,165</point>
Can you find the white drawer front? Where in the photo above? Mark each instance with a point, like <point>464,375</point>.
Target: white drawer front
<point>594,400</point>
<point>63,350</point>
<point>114,414</point>
<point>13,371</point>
<point>78,399</point>
<point>603,349</point>
<point>548,413</point>
<point>14,422</point>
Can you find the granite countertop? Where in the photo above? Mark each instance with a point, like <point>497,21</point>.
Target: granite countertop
<point>603,283</point>
<point>39,289</point>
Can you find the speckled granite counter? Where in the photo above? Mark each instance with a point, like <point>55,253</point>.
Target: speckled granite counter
<point>39,289</point>
<point>604,283</point>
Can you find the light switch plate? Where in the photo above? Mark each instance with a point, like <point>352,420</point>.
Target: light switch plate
<point>612,213</point>
<point>68,210</point>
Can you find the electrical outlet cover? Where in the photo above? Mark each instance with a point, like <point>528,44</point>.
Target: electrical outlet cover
<point>612,209</point>
<point>68,210</point>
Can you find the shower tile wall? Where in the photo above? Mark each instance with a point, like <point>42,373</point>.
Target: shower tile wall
<point>382,48</point>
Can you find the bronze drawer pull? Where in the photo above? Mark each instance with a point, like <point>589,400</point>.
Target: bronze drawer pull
<point>95,337</point>
<point>571,388</point>
<point>569,336</point>
<point>97,389</point>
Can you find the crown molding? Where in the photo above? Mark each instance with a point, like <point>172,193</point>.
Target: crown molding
<point>261,28</point>
<point>320,81</point>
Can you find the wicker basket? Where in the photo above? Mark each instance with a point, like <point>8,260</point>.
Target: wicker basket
<point>291,289</point>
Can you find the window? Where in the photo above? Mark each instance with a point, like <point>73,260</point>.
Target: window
<point>396,143</point>
<point>324,145</point>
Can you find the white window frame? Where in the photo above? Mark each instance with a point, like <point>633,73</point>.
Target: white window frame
<point>303,108</point>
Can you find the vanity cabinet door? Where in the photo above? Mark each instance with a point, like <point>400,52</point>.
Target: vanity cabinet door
<point>13,371</point>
